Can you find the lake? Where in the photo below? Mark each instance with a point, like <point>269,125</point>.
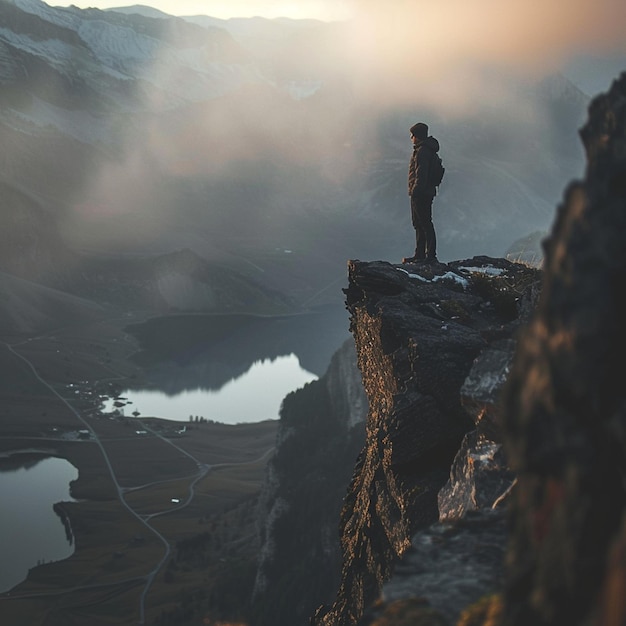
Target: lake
<point>228,368</point>
<point>254,396</point>
<point>30,531</point>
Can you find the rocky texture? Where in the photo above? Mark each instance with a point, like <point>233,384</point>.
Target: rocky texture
<point>450,566</point>
<point>419,331</point>
<point>320,433</point>
<point>565,410</point>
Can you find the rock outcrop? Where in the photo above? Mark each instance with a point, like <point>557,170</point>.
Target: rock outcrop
<point>565,405</point>
<point>434,343</point>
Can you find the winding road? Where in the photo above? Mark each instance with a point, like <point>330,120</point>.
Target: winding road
<point>203,470</point>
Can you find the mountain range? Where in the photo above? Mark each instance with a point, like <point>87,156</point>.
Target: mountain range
<point>134,133</point>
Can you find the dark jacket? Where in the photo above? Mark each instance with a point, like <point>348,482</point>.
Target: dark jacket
<point>419,166</point>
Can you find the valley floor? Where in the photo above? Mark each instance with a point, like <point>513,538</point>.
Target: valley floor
<point>162,518</point>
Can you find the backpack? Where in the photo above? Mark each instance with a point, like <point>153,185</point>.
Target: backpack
<point>437,170</point>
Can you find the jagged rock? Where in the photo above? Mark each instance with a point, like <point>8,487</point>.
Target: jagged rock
<point>481,390</point>
<point>480,477</point>
<point>418,330</point>
<point>565,417</point>
<point>480,474</point>
<point>450,566</point>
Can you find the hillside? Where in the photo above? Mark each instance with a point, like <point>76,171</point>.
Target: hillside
<point>30,309</point>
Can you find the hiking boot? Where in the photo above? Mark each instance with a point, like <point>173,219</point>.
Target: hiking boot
<point>412,259</point>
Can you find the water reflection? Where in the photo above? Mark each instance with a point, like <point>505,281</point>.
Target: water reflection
<point>30,531</point>
<point>188,352</point>
<point>254,397</point>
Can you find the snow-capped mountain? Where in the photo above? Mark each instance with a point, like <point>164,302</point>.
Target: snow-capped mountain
<point>107,51</point>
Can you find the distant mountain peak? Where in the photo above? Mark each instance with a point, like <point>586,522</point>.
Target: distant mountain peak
<point>141,9</point>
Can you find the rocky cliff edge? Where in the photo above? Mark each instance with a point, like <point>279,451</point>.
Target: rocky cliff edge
<point>490,489</point>
<point>434,344</point>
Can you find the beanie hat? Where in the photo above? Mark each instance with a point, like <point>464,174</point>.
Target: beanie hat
<point>419,130</point>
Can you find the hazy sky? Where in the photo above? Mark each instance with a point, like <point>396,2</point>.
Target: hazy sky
<point>317,9</point>
<point>401,34</point>
<point>456,58</point>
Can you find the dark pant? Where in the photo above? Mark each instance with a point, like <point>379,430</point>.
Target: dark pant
<point>422,218</point>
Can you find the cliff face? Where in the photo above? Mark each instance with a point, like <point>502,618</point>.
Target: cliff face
<point>419,331</point>
<point>565,406</point>
<point>320,433</point>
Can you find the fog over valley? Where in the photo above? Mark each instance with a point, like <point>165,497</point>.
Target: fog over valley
<point>245,138</point>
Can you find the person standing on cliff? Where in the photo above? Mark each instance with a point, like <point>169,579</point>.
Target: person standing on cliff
<point>422,191</point>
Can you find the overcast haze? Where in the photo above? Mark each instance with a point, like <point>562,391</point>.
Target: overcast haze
<point>453,60</point>
<point>435,47</point>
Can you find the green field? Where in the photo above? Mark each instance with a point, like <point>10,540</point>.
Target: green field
<point>140,557</point>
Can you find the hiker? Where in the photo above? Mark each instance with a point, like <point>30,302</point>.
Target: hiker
<point>422,190</point>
